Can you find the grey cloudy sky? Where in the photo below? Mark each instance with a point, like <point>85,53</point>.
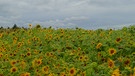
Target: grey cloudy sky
<point>86,14</point>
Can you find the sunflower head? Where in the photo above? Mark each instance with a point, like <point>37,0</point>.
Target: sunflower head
<point>79,48</point>
<point>23,64</point>
<point>83,73</point>
<point>22,74</point>
<point>28,54</point>
<point>81,58</point>
<point>98,45</point>
<point>134,71</point>
<point>13,62</point>
<point>47,54</point>
<point>38,74</point>
<point>118,40</point>
<point>30,25</point>
<point>1,55</point>
<point>62,74</point>
<point>51,74</point>
<point>39,61</point>
<point>127,62</point>
<point>27,74</point>
<point>116,72</point>
<point>111,51</point>
<point>36,62</point>
<point>110,63</point>
<point>72,71</point>
<point>1,74</point>
<point>1,35</point>
<point>99,54</point>
<point>45,69</point>
<point>13,69</point>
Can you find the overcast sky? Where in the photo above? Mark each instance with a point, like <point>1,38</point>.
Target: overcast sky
<point>86,14</point>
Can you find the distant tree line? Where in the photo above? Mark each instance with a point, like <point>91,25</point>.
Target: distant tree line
<point>16,27</point>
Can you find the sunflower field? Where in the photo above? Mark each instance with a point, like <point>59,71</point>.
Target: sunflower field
<point>38,51</point>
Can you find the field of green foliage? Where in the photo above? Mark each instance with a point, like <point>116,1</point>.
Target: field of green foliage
<point>38,51</point>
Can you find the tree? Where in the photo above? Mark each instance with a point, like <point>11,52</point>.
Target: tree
<point>38,26</point>
<point>15,26</point>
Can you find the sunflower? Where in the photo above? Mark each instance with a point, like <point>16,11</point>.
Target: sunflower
<point>51,74</point>
<point>98,45</point>
<point>1,35</point>
<point>37,70</point>
<point>47,54</point>
<point>56,66</point>
<point>6,59</point>
<point>28,54</point>
<point>79,48</point>
<point>116,72</point>
<point>111,51</point>
<point>38,74</point>
<point>13,69</point>
<point>1,74</point>
<point>50,54</point>
<point>39,62</point>
<point>134,72</point>
<point>23,64</point>
<point>45,69</point>
<point>120,59</point>
<point>81,58</point>
<point>30,25</point>
<point>13,62</point>
<point>50,37</point>
<point>110,63</point>
<point>62,74</point>
<point>28,49</point>
<point>118,40</point>
<point>22,74</point>
<point>99,54</point>
<point>14,40</point>
<point>22,55</point>
<point>19,44</point>
<point>72,71</point>
<point>36,51</point>
<point>28,41</point>
<point>86,58</point>
<point>26,74</point>
<point>110,31</point>
<point>101,34</point>
<point>127,62</point>
<point>1,55</point>
<point>83,73</point>
<point>6,55</point>
<point>15,51</point>
<point>36,62</point>
<point>71,53</point>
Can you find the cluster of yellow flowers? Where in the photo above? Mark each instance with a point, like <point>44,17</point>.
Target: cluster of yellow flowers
<point>66,52</point>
